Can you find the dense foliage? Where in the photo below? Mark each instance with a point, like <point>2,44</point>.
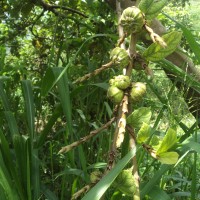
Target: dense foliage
<point>45,47</point>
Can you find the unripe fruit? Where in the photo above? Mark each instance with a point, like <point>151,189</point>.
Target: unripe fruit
<point>119,57</point>
<point>132,20</point>
<point>137,92</point>
<point>121,81</point>
<point>125,182</point>
<point>115,94</point>
<point>95,176</point>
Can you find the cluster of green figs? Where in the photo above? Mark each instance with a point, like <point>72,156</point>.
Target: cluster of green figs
<point>122,83</point>
<point>132,21</point>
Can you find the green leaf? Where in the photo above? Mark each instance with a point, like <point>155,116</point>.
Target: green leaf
<point>191,145</point>
<point>47,82</point>
<point>143,133</point>
<point>47,129</point>
<point>156,52</point>
<point>29,107</point>
<point>151,8</point>
<point>168,157</point>
<point>3,97</point>
<point>12,123</point>
<point>168,142</point>
<point>154,180</point>
<point>139,116</point>
<point>10,166</point>
<point>159,193</point>
<point>100,188</point>
<point>194,45</point>
<point>125,182</point>
<point>65,96</point>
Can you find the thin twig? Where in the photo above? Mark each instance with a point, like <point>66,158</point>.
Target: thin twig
<point>155,37</point>
<point>86,138</point>
<point>82,190</point>
<point>52,8</point>
<point>94,73</point>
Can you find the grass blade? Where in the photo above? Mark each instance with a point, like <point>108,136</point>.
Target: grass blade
<point>100,188</point>
<point>6,155</point>
<point>29,107</point>
<point>42,138</point>
<point>195,47</point>
<point>155,179</point>
<point>12,124</point>
<point>63,89</point>
<point>3,97</point>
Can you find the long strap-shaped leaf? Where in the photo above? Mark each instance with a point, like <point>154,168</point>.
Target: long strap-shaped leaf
<point>100,188</point>
<point>64,93</point>
<point>29,107</point>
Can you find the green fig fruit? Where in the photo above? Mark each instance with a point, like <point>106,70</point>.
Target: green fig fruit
<point>137,91</point>
<point>132,20</point>
<point>122,82</point>
<point>125,182</point>
<point>115,94</point>
<point>119,57</point>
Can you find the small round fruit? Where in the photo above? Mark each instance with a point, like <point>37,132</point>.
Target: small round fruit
<point>95,176</point>
<point>115,94</point>
<point>138,90</point>
<point>132,20</point>
<point>119,57</point>
<point>121,81</point>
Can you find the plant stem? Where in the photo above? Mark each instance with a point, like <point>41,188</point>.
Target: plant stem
<point>86,138</point>
<point>94,73</point>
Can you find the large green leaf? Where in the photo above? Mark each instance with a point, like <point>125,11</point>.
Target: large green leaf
<point>143,133</point>
<point>64,93</point>
<point>10,165</point>
<point>47,129</point>
<point>194,45</point>
<point>22,152</point>
<point>3,97</point>
<point>47,82</point>
<point>100,188</point>
<point>12,124</point>
<point>6,183</point>
<point>139,116</point>
<point>29,107</point>
<point>168,157</point>
<point>151,8</point>
<point>191,145</point>
<point>169,140</point>
<point>156,52</point>
<point>154,180</point>
<point>159,193</point>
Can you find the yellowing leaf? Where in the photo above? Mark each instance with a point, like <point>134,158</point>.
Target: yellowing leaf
<point>151,8</point>
<point>168,157</point>
<point>156,52</point>
<point>168,141</point>
<point>143,133</point>
<point>136,118</point>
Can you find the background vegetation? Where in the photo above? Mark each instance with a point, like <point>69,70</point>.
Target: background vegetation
<point>44,47</point>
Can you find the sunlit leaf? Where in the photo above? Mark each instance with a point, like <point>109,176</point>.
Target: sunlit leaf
<point>168,157</point>
<point>125,182</point>
<point>151,8</point>
<point>156,52</point>
<point>100,188</point>
<point>168,141</point>
<point>139,116</point>
<point>143,133</point>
